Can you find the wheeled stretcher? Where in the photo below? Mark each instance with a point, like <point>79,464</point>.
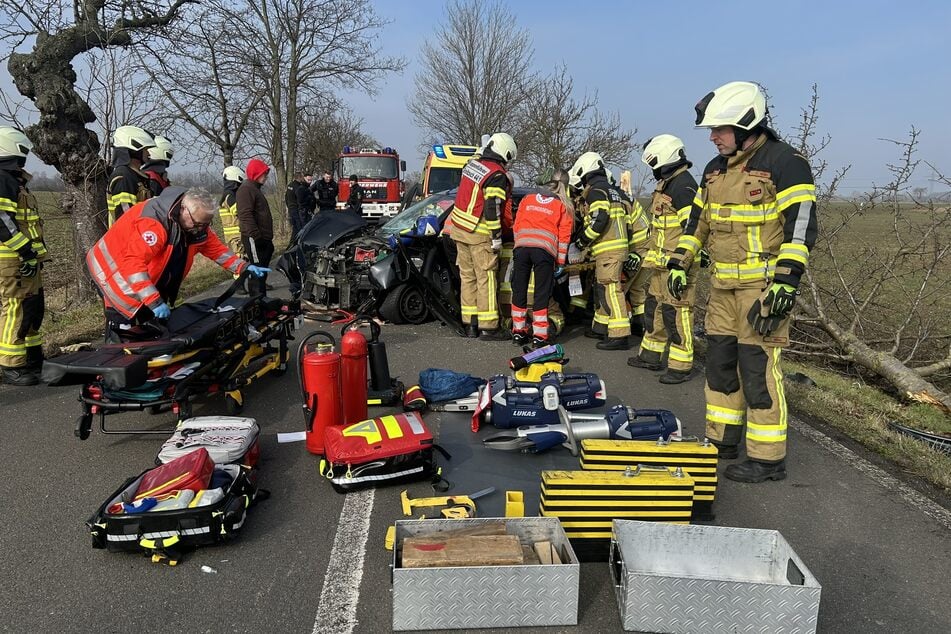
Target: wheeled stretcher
<point>213,346</point>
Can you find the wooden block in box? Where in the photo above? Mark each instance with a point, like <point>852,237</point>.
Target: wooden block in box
<point>490,550</point>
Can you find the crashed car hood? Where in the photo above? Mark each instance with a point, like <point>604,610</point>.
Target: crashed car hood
<point>329,227</point>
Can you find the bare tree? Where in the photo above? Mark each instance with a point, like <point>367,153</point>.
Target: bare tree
<point>476,70</point>
<point>557,127</point>
<point>58,32</point>
<point>201,78</point>
<point>322,137</point>
<point>875,294</point>
<point>301,51</point>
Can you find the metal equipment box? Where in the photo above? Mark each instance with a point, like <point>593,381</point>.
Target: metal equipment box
<point>676,578</point>
<point>469,597</point>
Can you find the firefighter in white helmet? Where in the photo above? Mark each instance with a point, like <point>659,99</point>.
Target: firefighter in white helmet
<point>638,234</point>
<point>22,253</point>
<point>484,192</point>
<point>128,184</point>
<point>667,320</point>
<point>756,213</point>
<point>156,167</point>
<point>604,234</point>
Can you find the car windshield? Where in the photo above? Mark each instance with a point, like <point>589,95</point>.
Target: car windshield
<point>369,167</point>
<point>432,206</point>
<point>443,178</point>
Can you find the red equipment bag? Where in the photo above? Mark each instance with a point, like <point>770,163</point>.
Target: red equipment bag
<point>386,450</point>
<point>191,471</point>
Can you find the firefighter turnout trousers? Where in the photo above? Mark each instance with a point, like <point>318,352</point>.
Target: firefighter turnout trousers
<point>478,269</point>
<point>610,317</point>
<point>637,291</point>
<point>506,270</point>
<point>744,378</point>
<point>669,322</point>
<point>21,316</point>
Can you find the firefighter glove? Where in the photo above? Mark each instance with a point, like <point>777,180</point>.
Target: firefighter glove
<point>28,268</point>
<point>704,259</point>
<point>162,311</point>
<point>780,298</point>
<point>632,263</point>
<point>496,244</point>
<point>258,271</point>
<point>677,282</point>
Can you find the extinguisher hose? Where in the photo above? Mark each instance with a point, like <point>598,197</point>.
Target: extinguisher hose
<point>363,319</point>
<point>309,408</point>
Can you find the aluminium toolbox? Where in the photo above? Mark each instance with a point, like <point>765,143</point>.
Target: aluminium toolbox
<point>465,597</point>
<point>695,456</point>
<point>587,502</point>
<point>671,578</point>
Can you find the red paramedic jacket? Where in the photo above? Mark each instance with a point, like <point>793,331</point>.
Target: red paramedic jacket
<point>544,222</point>
<point>129,259</point>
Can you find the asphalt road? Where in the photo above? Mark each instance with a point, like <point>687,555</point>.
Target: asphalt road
<point>881,551</point>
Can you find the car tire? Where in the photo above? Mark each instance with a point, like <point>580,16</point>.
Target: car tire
<point>405,304</point>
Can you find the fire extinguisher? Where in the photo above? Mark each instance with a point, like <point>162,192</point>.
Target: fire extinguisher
<point>319,374</point>
<point>353,349</point>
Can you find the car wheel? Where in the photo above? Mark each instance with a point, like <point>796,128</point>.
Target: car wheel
<point>405,304</point>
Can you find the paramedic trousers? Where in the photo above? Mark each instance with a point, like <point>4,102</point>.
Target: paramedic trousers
<point>669,322</point>
<point>528,262</point>
<point>610,317</point>
<point>21,315</point>
<point>257,251</point>
<point>744,379</point>
<point>478,268</point>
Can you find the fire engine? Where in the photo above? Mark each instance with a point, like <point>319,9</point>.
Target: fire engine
<point>379,172</point>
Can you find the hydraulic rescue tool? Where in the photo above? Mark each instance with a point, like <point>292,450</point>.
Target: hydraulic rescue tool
<point>451,506</point>
<point>620,423</point>
<point>506,402</point>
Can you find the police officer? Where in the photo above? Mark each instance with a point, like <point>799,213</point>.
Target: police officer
<point>668,322</point>
<point>128,184</point>
<point>156,168</point>
<point>477,232</point>
<point>756,213</point>
<point>22,252</point>
<point>605,236</point>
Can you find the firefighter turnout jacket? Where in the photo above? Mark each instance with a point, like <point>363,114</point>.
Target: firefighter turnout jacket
<point>21,298</point>
<point>545,222</point>
<point>670,208</point>
<point>127,186</point>
<point>480,201</point>
<point>228,212</point>
<point>756,215</point>
<point>605,218</point>
<point>129,261</point>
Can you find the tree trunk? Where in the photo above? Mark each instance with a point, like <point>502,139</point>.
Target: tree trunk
<point>887,366</point>
<point>60,138</point>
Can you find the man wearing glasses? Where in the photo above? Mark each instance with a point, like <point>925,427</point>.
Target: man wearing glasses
<point>140,262</point>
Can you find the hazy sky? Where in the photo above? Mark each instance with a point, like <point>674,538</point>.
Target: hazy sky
<point>881,67</point>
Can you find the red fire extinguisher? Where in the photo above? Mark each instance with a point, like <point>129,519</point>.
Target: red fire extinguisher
<point>353,349</point>
<point>319,374</point>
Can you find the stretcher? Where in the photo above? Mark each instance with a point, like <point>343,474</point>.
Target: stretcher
<point>208,347</point>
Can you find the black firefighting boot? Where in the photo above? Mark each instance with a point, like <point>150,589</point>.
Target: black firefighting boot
<point>673,377</point>
<point>494,335</point>
<point>614,343</point>
<point>726,452</point>
<point>753,471</point>
<point>591,333</point>
<point>637,325</point>
<point>637,362</point>
<point>20,377</point>
<point>472,328</point>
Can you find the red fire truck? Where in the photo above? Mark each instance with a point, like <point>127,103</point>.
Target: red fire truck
<point>379,172</point>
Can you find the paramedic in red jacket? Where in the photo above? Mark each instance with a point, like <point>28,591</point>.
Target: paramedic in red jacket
<point>543,227</point>
<point>140,262</point>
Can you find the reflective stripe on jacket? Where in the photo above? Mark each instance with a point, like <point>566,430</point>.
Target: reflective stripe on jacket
<point>546,223</point>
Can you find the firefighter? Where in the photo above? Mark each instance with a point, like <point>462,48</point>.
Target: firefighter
<point>128,184</point>
<point>756,213</point>
<point>228,212</point>
<point>605,237</point>
<point>22,253</point>
<point>667,321</point>
<point>141,261</point>
<point>477,232</point>
<point>638,231</point>
<point>543,227</point>
<point>160,157</point>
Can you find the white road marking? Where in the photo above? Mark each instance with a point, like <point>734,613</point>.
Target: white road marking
<point>914,498</point>
<point>337,609</point>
